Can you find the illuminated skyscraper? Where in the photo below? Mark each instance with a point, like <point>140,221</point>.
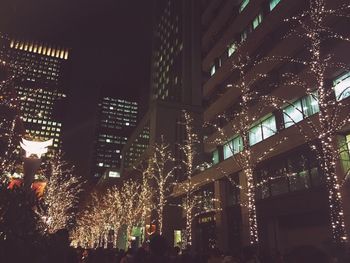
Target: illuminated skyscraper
<point>175,53</point>
<point>116,119</point>
<point>39,83</point>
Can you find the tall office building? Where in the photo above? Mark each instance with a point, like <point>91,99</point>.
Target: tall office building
<point>40,85</point>
<point>175,86</point>
<point>9,123</point>
<point>115,122</point>
<point>175,57</point>
<point>290,192</point>
<point>175,76</point>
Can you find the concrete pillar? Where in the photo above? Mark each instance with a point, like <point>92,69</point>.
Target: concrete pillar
<point>30,167</point>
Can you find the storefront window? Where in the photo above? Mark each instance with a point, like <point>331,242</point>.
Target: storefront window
<point>298,172</point>
<point>279,180</point>
<point>177,238</point>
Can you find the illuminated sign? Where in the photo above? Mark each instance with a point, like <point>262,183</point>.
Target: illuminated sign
<point>113,174</point>
<point>34,148</point>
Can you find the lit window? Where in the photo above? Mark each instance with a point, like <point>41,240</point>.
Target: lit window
<point>231,49</point>
<point>310,104</point>
<point>215,157</point>
<point>100,164</point>
<point>273,4</point>
<point>292,114</point>
<point>257,21</point>
<point>269,127</point>
<point>348,142</point>
<point>255,135</point>
<point>243,5</point>
<point>232,147</point>
<point>342,86</point>
<point>262,130</point>
<point>212,70</point>
<point>244,35</point>
<point>228,150</point>
<point>300,109</point>
<point>113,174</point>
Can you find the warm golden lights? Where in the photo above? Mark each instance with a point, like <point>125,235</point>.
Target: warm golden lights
<point>40,48</point>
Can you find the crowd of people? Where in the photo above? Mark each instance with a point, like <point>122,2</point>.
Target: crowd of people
<point>57,249</point>
<point>157,252</point>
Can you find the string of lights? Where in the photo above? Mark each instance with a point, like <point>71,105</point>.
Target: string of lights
<point>162,168</point>
<point>56,208</point>
<point>312,26</point>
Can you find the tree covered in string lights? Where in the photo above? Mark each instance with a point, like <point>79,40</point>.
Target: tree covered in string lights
<point>162,170</point>
<point>57,207</point>
<point>146,193</point>
<point>320,131</point>
<point>110,212</point>
<point>193,203</point>
<point>234,131</point>
<point>89,227</point>
<point>132,206</point>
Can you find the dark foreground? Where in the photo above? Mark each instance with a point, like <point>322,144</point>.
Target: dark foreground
<point>56,249</point>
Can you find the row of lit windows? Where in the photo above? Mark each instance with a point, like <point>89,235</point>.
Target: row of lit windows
<point>121,140</point>
<point>293,113</point>
<point>39,49</point>
<point>108,99</point>
<point>244,34</point>
<point>44,133</point>
<point>112,136</point>
<point>272,4</point>
<point>39,92</point>
<point>42,121</point>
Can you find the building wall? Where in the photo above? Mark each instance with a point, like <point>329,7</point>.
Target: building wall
<point>116,120</point>
<point>40,83</point>
<point>290,208</point>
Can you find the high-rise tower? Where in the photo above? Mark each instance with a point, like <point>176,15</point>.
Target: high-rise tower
<point>115,121</point>
<point>39,81</point>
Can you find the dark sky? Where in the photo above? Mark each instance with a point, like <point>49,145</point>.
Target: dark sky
<point>111,50</point>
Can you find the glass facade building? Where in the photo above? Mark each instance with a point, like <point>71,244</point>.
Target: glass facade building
<point>116,120</point>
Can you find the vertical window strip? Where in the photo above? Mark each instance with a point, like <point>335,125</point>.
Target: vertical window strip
<point>243,5</point>
<point>273,4</point>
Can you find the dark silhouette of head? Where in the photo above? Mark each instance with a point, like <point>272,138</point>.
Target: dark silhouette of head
<point>158,245</point>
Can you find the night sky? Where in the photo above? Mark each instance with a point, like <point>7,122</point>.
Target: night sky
<point>111,49</point>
